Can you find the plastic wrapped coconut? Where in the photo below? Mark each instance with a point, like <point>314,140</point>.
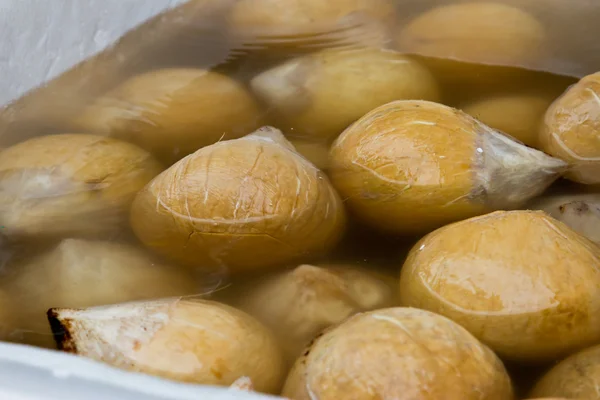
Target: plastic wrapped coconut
<point>299,303</point>
<point>523,283</point>
<point>398,353</point>
<point>173,112</point>
<point>302,91</point>
<point>194,341</point>
<point>240,205</point>
<point>70,185</point>
<point>82,273</point>
<point>570,130</point>
<point>413,166</point>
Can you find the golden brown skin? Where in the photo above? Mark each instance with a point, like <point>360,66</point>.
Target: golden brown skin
<point>289,23</point>
<point>413,166</point>
<point>570,130</point>
<point>398,353</point>
<point>317,96</point>
<point>173,112</point>
<point>518,115</point>
<point>523,283</point>
<point>480,32</point>
<point>188,340</point>
<point>297,304</point>
<point>70,185</point>
<point>576,377</point>
<point>81,273</point>
<point>240,205</point>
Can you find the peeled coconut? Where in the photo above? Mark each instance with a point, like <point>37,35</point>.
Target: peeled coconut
<point>81,273</point>
<point>413,166</point>
<point>576,377</point>
<point>520,281</point>
<point>320,94</point>
<point>240,205</point>
<point>570,130</point>
<point>580,212</point>
<point>173,112</point>
<point>192,341</point>
<point>476,32</point>
<point>398,353</point>
<point>518,114</point>
<point>299,303</point>
<point>70,185</point>
<point>296,24</point>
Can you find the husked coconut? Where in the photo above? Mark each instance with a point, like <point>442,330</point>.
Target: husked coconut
<point>173,112</point>
<point>476,32</point>
<point>70,185</point>
<point>576,377</point>
<point>320,94</point>
<point>240,205</point>
<point>398,353</point>
<point>294,25</point>
<point>570,130</point>
<point>522,282</point>
<point>413,166</point>
<point>299,303</point>
<point>194,341</point>
<point>82,273</point>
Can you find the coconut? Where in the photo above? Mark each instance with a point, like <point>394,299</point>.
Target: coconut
<point>70,185</point>
<point>242,204</point>
<point>570,130</point>
<point>523,283</point>
<point>81,273</point>
<point>304,90</point>
<point>480,32</point>
<point>300,25</point>
<point>192,341</point>
<point>518,114</point>
<point>576,377</point>
<point>173,112</point>
<point>299,303</point>
<point>581,212</point>
<point>412,166</point>
<point>398,353</point>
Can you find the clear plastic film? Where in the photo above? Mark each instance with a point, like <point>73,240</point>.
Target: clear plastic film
<point>232,178</point>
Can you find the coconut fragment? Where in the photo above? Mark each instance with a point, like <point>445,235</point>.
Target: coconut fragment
<point>192,341</point>
<point>522,282</point>
<point>319,95</point>
<point>299,303</point>
<point>70,185</point>
<point>413,166</point>
<point>398,353</point>
<point>240,205</point>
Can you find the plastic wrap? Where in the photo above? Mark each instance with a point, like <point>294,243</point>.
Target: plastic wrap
<point>407,341</point>
<point>205,149</point>
<point>520,281</point>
